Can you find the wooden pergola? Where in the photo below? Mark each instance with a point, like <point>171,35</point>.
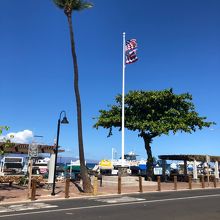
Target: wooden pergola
<point>19,148</point>
<point>189,157</point>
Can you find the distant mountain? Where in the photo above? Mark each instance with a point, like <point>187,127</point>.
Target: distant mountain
<point>68,160</point>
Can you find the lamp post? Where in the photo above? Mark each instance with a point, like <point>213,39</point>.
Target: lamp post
<point>63,121</point>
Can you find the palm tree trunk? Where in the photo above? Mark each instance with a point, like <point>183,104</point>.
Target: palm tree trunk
<point>147,142</point>
<point>87,187</point>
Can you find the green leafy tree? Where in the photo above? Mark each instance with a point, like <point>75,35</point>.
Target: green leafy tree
<point>2,128</point>
<point>68,6</point>
<point>5,140</point>
<point>152,114</point>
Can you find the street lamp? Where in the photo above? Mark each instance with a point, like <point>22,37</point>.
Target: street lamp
<point>63,121</point>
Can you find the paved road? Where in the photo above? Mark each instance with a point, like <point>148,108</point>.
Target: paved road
<point>187,205</point>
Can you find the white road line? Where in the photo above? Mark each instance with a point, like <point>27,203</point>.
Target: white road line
<point>26,206</point>
<point>3,210</point>
<point>110,205</point>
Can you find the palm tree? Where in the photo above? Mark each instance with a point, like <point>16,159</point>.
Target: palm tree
<point>69,6</point>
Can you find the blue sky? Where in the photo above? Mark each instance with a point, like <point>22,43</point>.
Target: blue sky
<point>179,47</point>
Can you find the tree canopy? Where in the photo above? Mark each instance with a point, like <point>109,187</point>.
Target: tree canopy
<point>152,114</point>
<point>72,5</point>
<point>7,141</point>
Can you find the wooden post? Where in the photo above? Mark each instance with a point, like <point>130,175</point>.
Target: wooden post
<point>175,182</point>
<point>30,164</point>
<point>119,184</point>
<point>158,183</point>
<point>190,182</point>
<point>203,182</point>
<point>215,182</point>
<point>208,175</point>
<point>164,170</point>
<point>33,189</point>
<point>100,180</point>
<point>140,184</point>
<point>67,188</point>
<point>95,186</point>
<point>185,167</point>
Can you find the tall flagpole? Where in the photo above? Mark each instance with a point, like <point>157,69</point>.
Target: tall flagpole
<point>123,104</point>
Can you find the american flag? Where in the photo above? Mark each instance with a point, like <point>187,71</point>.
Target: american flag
<point>131,51</point>
<point>131,56</point>
<point>130,44</point>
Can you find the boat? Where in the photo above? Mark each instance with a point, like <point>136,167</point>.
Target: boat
<point>41,164</point>
<point>11,165</point>
<point>73,168</point>
<point>130,161</point>
<point>105,167</point>
<point>74,165</point>
<point>133,165</point>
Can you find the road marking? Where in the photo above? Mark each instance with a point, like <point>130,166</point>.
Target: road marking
<point>109,205</point>
<point>25,206</point>
<point>3,209</point>
<point>120,199</point>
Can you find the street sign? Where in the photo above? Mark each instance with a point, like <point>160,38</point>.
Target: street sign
<point>33,150</point>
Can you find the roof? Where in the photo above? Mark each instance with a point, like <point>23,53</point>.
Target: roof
<point>190,157</point>
<point>20,148</point>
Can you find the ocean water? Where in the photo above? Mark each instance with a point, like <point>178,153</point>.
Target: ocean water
<point>91,165</point>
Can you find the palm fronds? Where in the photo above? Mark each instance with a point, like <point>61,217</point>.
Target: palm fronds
<point>73,4</point>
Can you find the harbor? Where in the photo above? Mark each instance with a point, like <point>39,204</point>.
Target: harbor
<point>25,178</point>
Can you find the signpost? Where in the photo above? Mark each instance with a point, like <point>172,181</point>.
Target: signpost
<point>208,161</point>
<point>32,152</point>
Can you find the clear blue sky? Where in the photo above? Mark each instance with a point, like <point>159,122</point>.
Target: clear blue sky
<point>179,47</point>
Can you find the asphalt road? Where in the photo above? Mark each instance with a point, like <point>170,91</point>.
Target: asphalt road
<point>187,205</point>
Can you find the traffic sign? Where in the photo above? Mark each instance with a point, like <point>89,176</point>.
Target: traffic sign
<point>33,150</point>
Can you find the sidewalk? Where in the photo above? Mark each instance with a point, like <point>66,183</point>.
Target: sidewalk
<point>15,193</point>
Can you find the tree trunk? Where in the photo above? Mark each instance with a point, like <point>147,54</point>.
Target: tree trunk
<point>87,187</point>
<point>149,171</point>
